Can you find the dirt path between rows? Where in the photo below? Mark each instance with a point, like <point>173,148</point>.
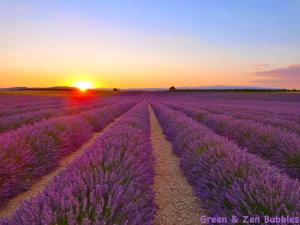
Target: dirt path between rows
<point>174,197</point>
<point>41,183</point>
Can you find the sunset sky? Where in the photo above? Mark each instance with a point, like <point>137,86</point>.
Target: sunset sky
<point>157,43</point>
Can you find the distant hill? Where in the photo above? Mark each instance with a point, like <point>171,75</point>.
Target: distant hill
<point>37,88</point>
<point>12,88</point>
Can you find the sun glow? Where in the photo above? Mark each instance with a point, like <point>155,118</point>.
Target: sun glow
<point>83,85</point>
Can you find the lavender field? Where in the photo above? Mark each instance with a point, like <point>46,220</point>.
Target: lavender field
<point>141,158</point>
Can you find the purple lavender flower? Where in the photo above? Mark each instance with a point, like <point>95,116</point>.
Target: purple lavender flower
<point>228,180</point>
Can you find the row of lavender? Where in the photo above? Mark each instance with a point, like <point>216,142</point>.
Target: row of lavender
<point>20,119</point>
<point>286,112</point>
<point>291,124</point>
<point>228,180</point>
<point>280,147</point>
<point>15,100</point>
<point>32,151</point>
<point>21,104</point>
<point>276,106</point>
<point>13,105</point>
<point>263,111</point>
<point>240,113</point>
<point>10,105</point>
<point>111,183</point>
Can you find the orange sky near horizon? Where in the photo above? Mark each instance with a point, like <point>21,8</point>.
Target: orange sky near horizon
<point>137,79</point>
<point>129,64</point>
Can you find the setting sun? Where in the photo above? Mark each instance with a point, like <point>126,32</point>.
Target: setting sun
<point>83,85</point>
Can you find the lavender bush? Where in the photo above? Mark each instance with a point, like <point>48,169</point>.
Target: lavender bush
<point>18,120</point>
<point>11,105</point>
<point>228,180</point>
<point>248,114</point>
<point>32,151</point>
<point>111,183</point>
<point>283,106</point>
<point>280,147</point>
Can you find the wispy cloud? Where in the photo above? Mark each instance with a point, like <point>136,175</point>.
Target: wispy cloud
<point>292,70</point>
<point>284,77</point>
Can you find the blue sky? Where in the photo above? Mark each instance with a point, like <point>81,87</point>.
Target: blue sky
<point>229,40</point>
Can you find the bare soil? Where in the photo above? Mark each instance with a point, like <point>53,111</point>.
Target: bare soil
<point>174,197</point>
